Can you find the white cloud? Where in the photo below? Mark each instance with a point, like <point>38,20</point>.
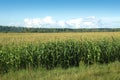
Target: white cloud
<point>88,22</point>
<point>61,23</point>
<point>38,22</point>
<point>75,22</point>
<point>48,20</point>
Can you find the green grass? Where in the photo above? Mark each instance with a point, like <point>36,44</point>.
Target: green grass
<point>109,71</point>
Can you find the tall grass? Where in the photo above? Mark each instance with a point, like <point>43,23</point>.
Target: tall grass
<point>109,71</point>
<point>54,54</point>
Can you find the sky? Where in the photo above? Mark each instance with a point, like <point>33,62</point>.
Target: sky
<point>60,13</point>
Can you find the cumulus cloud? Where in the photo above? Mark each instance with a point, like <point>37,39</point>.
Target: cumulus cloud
<point>48,22</point>
<point>75,22</point>
<point>38,22</point>
<point>61,24</point>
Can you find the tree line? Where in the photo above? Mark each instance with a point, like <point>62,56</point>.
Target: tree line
<point>45,30</point>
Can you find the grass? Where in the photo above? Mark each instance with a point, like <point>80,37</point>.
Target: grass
<point>109,71</point>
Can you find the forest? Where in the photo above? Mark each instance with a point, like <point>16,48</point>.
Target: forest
<point>47,30</point>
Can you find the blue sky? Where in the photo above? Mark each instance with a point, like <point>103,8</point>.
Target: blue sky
<point>70,13</point>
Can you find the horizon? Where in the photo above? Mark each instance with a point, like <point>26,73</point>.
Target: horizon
<point>60,13</point>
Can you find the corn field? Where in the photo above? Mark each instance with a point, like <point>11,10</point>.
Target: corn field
<point>58,53</point>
